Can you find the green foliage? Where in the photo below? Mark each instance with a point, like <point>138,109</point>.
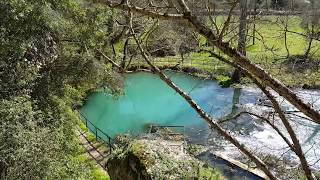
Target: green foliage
<point>23,25</point>
<point>32,149</point>
<point>224,81</point>
<point>193,149</point>
<point>151,158</point>
<point>209,174</point>
<point>99,175</point>
<point>48,65</point>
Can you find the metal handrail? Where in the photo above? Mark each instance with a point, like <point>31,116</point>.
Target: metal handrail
<point>98,131</point>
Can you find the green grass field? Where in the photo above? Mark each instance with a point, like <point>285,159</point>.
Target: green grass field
<point>268,51</point>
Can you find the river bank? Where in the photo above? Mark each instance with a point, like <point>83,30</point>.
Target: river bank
<point>147,100</point>
<point>207,73</point>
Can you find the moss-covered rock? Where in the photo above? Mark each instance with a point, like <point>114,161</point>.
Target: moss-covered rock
<point>157,159</point>
<point>129,164</point>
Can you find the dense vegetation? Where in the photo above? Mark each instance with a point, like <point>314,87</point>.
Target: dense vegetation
<point>47,67</point>
<point>50,61</point>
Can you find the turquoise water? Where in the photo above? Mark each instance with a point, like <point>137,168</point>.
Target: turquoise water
<point>147,100</point>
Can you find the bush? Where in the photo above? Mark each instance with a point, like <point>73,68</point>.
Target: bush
<point>224,81</point>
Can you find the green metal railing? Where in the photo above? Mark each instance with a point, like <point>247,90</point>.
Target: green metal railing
<point>106,139</point>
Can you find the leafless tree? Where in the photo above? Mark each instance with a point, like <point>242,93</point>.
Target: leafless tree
<point>237,59</point>
<point>242,40</point>
<point>312,24</point>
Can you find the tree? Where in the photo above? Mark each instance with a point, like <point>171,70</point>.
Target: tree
<point>312,24</point>
<point>242,40</point>
<point>48,65</point>
<point>237,60</point>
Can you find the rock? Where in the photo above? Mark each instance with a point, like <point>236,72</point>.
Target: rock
<point>166,133</point>
<point>129,165</point>
<point>157,159</point>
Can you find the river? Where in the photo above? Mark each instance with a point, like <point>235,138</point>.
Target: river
<point>149,101</point>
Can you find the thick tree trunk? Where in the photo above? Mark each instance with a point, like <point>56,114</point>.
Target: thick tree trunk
<point>125,53</point>
<point>213,123</point>
<point>244,63</point>
<point>238,58</point>
<point>256,70</point>
<point>236,76</point>
<point>243,27</point>
<point>296,147</point>
<point>254,23</point>
<point>306,54</point>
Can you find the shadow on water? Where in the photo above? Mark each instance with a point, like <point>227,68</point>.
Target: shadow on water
<point>147,100</point>
<point>235,101</point>
<point>230,171</point>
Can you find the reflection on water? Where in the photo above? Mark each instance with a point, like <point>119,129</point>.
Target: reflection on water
<point>148,100</point>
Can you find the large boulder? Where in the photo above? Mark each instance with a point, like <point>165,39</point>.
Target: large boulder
<point>157,159</point>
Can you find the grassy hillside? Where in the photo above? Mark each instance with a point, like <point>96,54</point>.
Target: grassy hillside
<point>268,51</point>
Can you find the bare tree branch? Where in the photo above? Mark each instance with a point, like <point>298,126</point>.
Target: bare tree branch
<point>256,70</point>
<point>238,58</point>
<point>227,22</point>
<point>296,147</point>
<point>212,122</point>
<point>111,61</point>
